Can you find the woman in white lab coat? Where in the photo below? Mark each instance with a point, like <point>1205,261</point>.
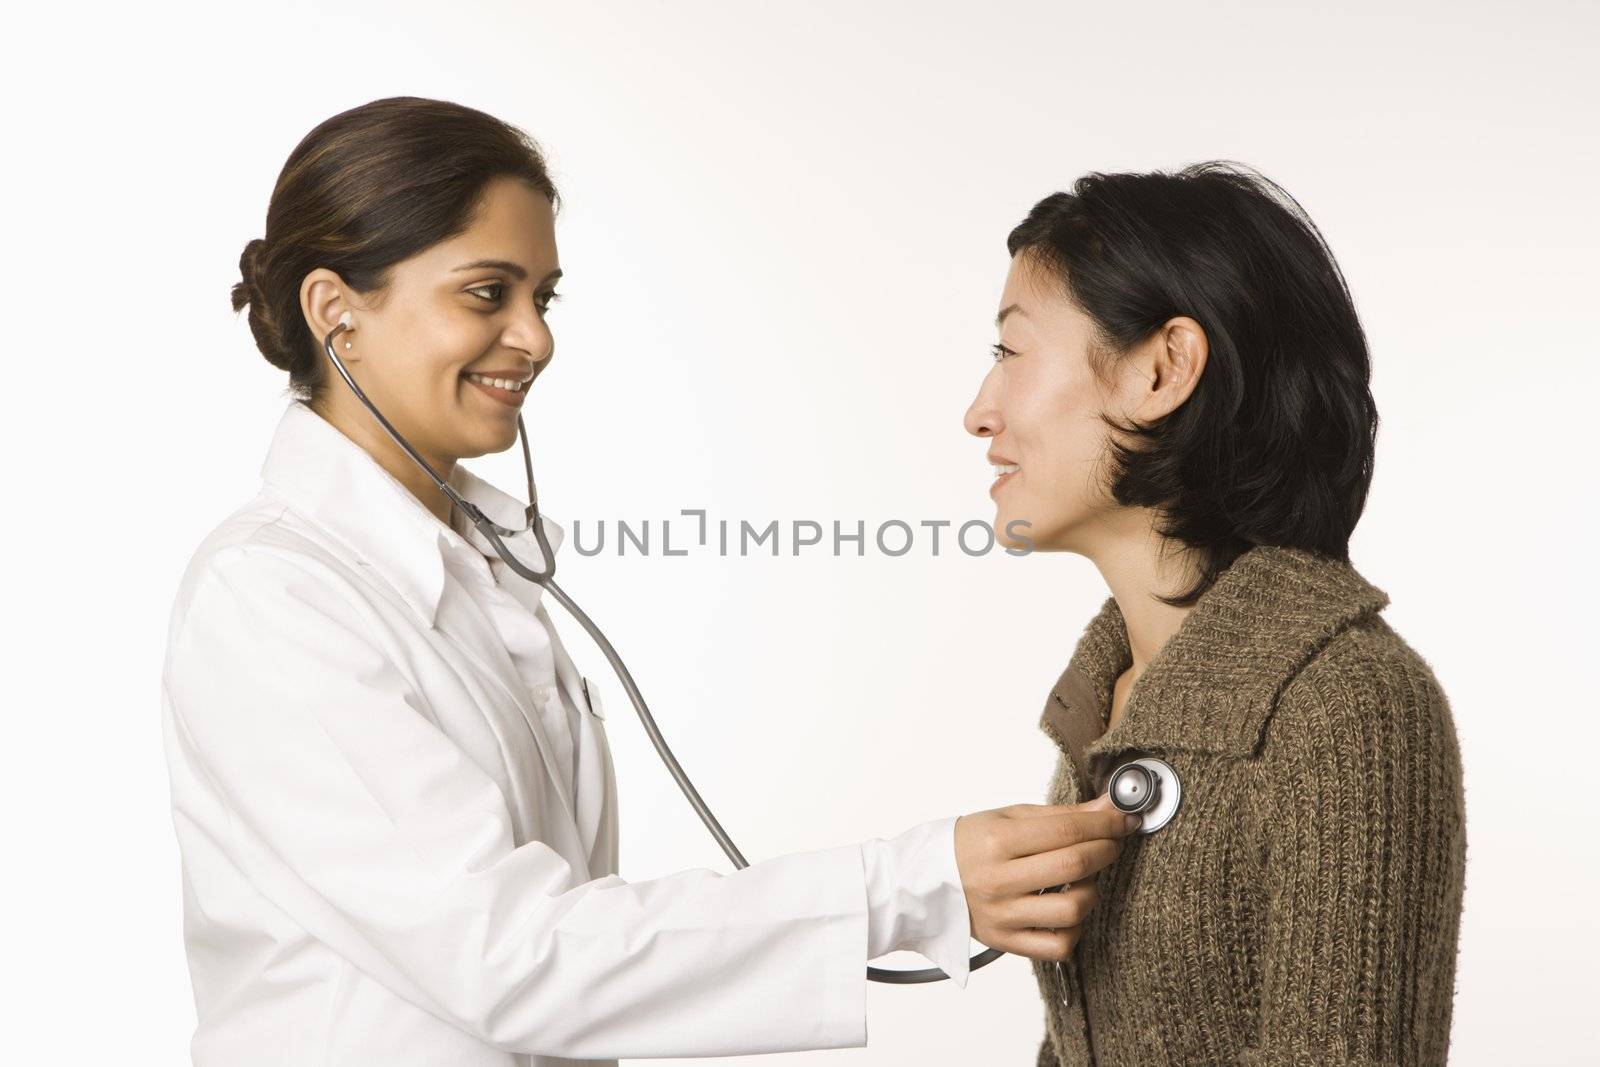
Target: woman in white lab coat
<point>391,789</point>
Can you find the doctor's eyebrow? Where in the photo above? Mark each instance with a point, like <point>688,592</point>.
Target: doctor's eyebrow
<point>516,270</point>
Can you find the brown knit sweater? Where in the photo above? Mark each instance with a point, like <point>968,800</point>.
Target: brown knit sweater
<point>1303,905</point>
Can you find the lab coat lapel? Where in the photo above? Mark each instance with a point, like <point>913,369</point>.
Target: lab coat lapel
<point>593,772</point>
<point>475,638</point>
<point>592,808</point>
<point>333,481</point>
<point>509,512</point>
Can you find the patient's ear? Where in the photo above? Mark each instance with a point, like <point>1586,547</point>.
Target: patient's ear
<point>1171,362</point>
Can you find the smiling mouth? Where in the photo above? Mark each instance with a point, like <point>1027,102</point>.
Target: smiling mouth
<point>509,385</point>
<point>510,393</point>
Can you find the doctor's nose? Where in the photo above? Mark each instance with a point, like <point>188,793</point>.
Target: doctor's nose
<point>534,339</point>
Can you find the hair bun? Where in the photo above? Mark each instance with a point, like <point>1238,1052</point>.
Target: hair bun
<point>248,289</point>
<point>249,262</point>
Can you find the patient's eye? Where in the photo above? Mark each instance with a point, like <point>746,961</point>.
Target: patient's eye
<point>1000,352</point>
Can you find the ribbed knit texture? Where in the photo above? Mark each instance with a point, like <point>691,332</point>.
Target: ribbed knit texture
<point>1304,904</point>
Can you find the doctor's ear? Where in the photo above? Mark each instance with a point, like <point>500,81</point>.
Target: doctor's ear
<point>327,306</point>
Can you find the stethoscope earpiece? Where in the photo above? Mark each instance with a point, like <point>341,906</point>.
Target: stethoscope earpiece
<point>1149,788</point>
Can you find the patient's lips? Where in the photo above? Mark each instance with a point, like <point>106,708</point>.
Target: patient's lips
<point>1003,468</point>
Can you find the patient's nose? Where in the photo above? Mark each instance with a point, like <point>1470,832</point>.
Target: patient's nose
<point>982,418</point>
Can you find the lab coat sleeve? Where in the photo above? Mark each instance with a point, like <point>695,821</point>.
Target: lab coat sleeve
<point>1363,880</point>
<point>916,899</point>
<point>353,813</point>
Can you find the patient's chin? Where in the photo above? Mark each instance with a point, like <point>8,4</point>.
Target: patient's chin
<point>1015,533</point>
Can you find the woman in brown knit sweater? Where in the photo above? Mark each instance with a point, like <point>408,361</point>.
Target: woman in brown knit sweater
<point>1181,395</point>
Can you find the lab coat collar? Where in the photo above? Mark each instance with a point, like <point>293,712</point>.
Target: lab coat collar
<point>1212,685</point>
<point>336,483</point>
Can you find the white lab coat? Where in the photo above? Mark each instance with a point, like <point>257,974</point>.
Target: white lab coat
<point>397,816</point>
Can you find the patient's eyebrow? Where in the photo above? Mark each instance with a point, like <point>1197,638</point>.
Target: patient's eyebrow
<point>999,320</point>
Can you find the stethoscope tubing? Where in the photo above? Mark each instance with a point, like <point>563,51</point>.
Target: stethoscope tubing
<point>546,579</point>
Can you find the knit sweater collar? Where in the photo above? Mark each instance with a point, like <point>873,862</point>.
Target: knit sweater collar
<point>1212,684</point>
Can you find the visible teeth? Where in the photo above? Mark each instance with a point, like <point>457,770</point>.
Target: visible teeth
<point>502,383</point>
<point>1005,468</point>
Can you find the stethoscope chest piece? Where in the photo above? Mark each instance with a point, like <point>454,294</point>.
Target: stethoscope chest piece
<point>1149,788</point>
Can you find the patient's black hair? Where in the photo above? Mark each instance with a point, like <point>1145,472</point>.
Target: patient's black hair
<point>1275,445</point>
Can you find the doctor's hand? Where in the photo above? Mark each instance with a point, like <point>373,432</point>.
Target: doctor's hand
<point>1007,858</point>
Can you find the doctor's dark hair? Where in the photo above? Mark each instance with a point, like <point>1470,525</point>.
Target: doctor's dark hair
<point>362,191</point>
<point>1275,445</point>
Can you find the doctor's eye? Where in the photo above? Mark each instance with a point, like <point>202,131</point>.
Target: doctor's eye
<point>1000,352</point>
<point>542,300</point>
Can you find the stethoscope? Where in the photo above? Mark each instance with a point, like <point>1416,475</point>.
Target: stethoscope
<point>1142,785</point>
<point>1148,788</point>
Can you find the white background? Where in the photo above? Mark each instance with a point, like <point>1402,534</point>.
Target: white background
<point>783,236</point>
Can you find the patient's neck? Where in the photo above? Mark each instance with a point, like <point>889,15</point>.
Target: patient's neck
<point>1136,571</point>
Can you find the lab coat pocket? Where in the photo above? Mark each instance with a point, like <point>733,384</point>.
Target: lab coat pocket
<point>591,697</point>
<point>597,786</point>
